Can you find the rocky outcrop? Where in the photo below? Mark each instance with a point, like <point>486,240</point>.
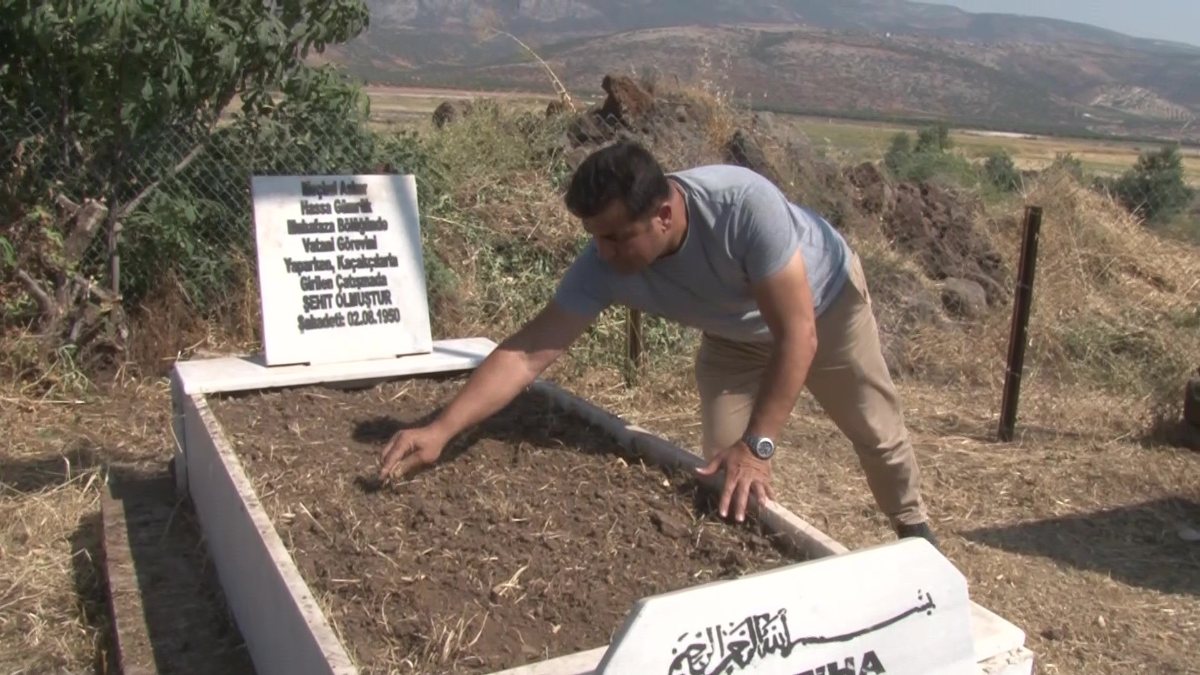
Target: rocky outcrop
<point>964,298</point>
<point>938,226</point>
<point>744,150</point>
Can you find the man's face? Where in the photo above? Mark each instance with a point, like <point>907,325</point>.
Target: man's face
<point>629,245</point>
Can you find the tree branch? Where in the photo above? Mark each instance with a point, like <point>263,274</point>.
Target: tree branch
<point>130,206</point>
<point>96,292</point>
<point>87,221</point>
<point>45,303</point>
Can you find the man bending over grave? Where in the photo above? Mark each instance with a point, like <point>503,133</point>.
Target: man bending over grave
<point>781,302</point>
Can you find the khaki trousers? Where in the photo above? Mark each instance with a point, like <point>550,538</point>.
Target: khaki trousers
<point>850,381</point>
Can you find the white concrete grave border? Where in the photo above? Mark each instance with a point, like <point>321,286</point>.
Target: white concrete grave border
<point>283,627</point>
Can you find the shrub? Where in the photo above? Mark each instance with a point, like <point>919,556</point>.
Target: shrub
<point>1068,163</point>
<point>1153,190</point>
<point>899,153</point>
<point>929,158</point>
<point>934,138</point>
<point>1000,171</point>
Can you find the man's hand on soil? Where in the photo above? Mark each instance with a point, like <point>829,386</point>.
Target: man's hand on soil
<point>744,473</point>
<point>409,450</point>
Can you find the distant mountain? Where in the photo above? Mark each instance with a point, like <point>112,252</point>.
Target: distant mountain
<point>608,16</point>
<point>856,57</point>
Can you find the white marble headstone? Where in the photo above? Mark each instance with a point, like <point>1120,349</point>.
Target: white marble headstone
<point>340,268</point>
<point>900,608</point>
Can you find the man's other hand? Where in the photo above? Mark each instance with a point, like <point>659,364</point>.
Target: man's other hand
<point>409,450</point>
<point>744,474</point>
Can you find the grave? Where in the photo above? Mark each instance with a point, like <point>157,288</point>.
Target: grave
<point>792,600</point>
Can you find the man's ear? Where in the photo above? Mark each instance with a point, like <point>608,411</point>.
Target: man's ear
<point>663,215</point>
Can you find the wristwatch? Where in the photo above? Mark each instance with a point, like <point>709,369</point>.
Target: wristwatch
<point>760,446</point>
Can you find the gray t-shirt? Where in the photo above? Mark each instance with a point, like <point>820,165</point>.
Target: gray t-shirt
<point>741,229</point>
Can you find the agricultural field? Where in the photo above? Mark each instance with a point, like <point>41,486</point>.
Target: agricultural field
<point>404,107</point>
<point>843,140</point>
<point>850,140</point>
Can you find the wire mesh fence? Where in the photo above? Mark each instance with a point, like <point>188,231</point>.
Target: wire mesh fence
<point>180,209</point>
<point>178,200</point>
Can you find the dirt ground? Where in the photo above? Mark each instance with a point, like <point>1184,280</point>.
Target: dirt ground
<point>531,540</point>
<point>1071,532</point>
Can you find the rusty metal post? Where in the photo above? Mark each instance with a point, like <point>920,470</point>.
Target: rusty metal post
<point>634,346</point>
<point>1020,322</point>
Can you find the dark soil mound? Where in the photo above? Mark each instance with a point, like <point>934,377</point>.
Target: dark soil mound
<point>934,224</point>
<point>534,543</point>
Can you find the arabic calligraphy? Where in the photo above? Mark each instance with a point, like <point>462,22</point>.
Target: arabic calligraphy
<point>723,648</point>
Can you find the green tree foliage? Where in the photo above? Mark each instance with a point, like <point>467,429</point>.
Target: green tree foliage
<point>1154,189</point>
<point>105,76</point>
<point>933,138</point>
<point>929,158</point>
<point>91,91</point>
<point>1001,172</point>
<point>898,153</point>
<point>200,218</point>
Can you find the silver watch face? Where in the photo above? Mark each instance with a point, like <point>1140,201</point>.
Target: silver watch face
<point>763,448</point>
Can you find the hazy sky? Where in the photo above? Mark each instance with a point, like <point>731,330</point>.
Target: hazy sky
<point>1177,20</point>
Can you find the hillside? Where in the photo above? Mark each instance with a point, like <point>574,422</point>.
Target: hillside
<point>608,16</point>
<point>864,58</point>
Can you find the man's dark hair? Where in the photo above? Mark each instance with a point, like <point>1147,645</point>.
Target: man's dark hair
<point>624,170</point>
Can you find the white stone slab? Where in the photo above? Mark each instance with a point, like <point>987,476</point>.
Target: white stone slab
<point>236,373</point>
<point>900,608</point>
<point>279,619</point>
<point>993,635</point>
<point>998,646</point>
<point>340,268</point>
<point>1016,662</point>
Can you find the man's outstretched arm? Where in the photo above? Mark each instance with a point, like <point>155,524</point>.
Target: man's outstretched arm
<point>511,367</point>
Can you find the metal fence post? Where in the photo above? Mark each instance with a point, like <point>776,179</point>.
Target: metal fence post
<point>1020,322</point>
<point>634,346</point>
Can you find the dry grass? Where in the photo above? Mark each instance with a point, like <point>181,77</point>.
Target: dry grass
<point>1116,308</point>
<point>1081,509</point>
<point>57,443</point>
<point>49,618</point>
<point>450,642</point>
<point>165,327</point>
<point>1085,508</point>
<point>1078,511</point>
<point>413,107</point>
